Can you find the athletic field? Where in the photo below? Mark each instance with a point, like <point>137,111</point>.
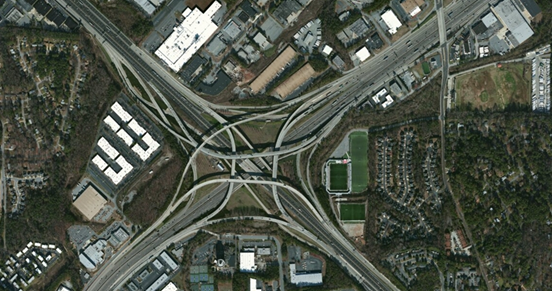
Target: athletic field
<point>338,177</point>
<point>352,212</point>
<point>358,144</point>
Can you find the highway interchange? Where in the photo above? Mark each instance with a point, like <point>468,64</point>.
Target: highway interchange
<point>301,126</point>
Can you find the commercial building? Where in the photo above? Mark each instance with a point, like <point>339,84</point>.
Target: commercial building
<point>391,21</point>
<point>158,283</point>
<point>188,37</point>
<point>275,68</point>
<point>362,54</point>
<point>412,7</point>
<point>255,285</point>
<point>93,254</point>
<point>170,287</point>
<point>287,12</point>
<point>295,81</point>
<point>261,40</point>
<point>247,262</point>
<point>517,26</point>
<point>90,202</point>
<point>169,261</point>
<point>304,279</point>
<point>327,50</point>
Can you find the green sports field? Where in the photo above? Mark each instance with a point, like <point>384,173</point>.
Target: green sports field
<point>352,212</point>
<point>358,143</point>
<point>338,177</point>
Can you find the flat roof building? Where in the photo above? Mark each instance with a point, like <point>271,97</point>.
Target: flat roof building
<point>247,262</point>
<point>272,70</point>
<point>412,7</point>
<point>362,54</point>
<point>169,261</point>
<point>170,287</point>
<point>295,81</point>
<point>261,40</point>
<point>512,19</point>
<point>327,50</point>
<point>391,21</point>
<point>90,202</point>
<point>158,283</point>
<point>255,285</point>
<point>188,37</point>
<point>304,279</point>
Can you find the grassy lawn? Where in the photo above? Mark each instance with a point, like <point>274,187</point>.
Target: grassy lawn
<point>352,212</point>
<point>425,67</point>
<point>494,87</point>
<point>359,155</point>
<point>338,177</point>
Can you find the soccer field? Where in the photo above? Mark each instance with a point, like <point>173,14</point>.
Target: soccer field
<point>358,143</point>
<point>352,212</point>
<point>338,177</point>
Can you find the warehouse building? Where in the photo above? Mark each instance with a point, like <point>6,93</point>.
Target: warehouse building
<point>391,21</point>
<point>90,202</point>
<point>188,37</point>
<point>275,68</point>
<point>512,19</point>
<point>302,279</point>
<point>247,262</point>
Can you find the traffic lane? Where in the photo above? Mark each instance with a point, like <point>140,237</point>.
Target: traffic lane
<point>312,223</point>
<point>137,255</point>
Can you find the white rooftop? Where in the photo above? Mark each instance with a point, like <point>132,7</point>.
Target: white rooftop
<point>170,287</point>
<point>327,50</point>
<point>169,261</point>
<point>152,147</point>
<point>188,37</point>
<point>99,162</point>
<point>107,148</point>
<point>134,126</point>
<point>121,112</point>
<point>117,177</point>
<point>253,285</point>
<point>247,262</point>
<point>362,54</point>
<point>111,123</point>
<point>125,136</point>
<point>304,279</point>
<point>513,19</point>
<point>158,283</point>
<point>391,20</point>
<point>415,11</point>
<point>489,19</point>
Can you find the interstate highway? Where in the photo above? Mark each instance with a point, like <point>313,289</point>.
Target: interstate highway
<point>121,44</point>
<point>377,70</point>
<point>118,267</point>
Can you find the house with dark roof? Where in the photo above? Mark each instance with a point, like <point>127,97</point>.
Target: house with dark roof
<point>532,7</point>
<point>42,7</point>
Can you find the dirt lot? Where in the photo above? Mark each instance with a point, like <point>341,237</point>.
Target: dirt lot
<point>494,88</point>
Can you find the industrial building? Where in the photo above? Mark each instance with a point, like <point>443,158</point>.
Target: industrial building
<point>362,54</point>
<point>188,37</point>
<point>304,278</point>
<point>518,30</point>
<point>412,7</point>
<point>93,254</point>
<point>295,81</point>
<point>275,68</point>
<point>247,262</point>
<point>90,202</point>
<point>391,21</point>
<point>255,285</point>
